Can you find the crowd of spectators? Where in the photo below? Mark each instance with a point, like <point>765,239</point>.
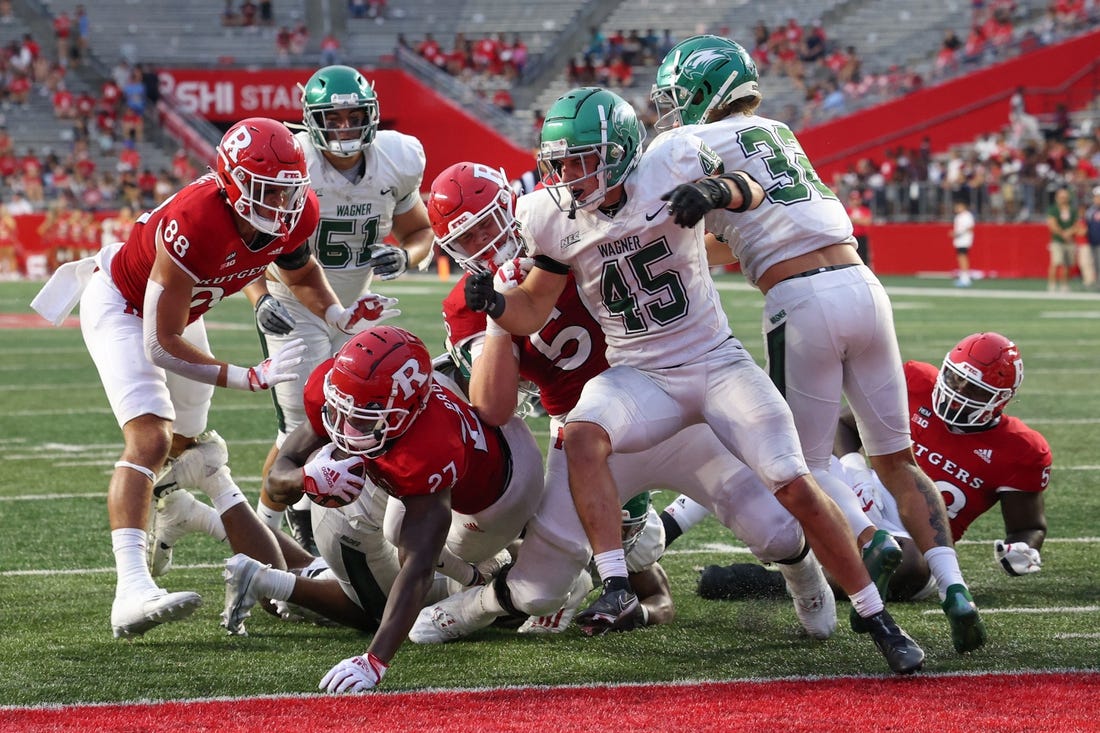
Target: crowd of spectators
<point>488,65</point>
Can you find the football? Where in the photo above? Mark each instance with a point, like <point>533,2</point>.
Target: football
<point>335,502</point>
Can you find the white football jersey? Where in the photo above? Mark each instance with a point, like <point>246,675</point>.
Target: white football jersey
<point>800,213</point>
<point>644,278</point>
<point>355,216</point>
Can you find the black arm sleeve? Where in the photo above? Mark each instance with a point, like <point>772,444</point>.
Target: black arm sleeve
<point>295,260</point>
<point>551,265</point>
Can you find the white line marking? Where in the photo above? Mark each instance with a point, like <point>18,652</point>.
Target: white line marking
<point>1049,609</point>
<point>97,571</point>
<point>1077,636</point>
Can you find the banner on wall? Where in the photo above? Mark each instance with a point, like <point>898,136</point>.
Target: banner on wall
<point>448,133</point>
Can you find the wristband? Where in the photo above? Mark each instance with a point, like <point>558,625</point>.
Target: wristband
<point>743,188</point>
<point>238,378</point>
<point>495,309</point>
<point>492,328</point>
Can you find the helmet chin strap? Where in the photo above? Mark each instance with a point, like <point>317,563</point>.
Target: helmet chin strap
<point>572,207</point>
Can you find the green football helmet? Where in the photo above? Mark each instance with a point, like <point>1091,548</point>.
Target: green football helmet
<point>339,88</point>
<point>600,131</point>
<point>635,516</point>
<point>699,75</point>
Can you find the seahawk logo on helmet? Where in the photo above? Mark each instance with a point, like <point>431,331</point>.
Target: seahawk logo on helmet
<point>699,75</point>
<point>340,111</point>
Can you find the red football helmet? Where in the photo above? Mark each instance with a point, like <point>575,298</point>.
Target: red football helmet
<point>262,169</point>
<point>378,386</point>
<point>978,378</point>
<point>471,208</point>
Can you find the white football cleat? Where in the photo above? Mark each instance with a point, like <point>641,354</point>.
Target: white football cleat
<point>452,618</point>
<point>241,572</point>
<point>814,603</point>
<point>192,465</point>
<point>178,513</point>
<point>134,615</point>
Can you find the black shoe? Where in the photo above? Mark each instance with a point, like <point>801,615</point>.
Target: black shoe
<point>301,529</point>
<point>739,581</point>
<point>610,612</point>
<point>901,652</point>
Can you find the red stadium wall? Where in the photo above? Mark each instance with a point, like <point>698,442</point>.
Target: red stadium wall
<point>960,110</point>
<point>449,133</point>
<point>1001,250</point>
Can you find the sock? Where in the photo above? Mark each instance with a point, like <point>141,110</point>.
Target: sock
<point>274,584</point>
<point>867,602</point>
<point>303,504</point>
<point>686,512</point>
<point>129,545</point>
<point>210,522</point>
<point>273,518</point>
<point>222,490</point>
<point>944,564</point>
<point>611,564</point>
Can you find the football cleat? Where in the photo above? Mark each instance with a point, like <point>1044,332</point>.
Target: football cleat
<point>613,610</point>
<point>967,629</point>
<point>208,454</point>
<point>134,615</point>
<point>240,574</point>
<point>881,558</point>
<point>814,603</point>
<point>902,653</point>
<point>300,523</point>
<point>559,621</point>
<point>452,618</point>
<point>178,513</point>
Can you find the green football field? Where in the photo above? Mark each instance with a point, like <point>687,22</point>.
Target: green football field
<point>58,441</point>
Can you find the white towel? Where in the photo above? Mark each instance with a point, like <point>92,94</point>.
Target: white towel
<point>57,298</point>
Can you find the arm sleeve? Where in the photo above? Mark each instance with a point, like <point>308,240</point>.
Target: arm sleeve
<point>155,352</point>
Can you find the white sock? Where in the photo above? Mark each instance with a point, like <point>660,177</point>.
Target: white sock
<point>273,518</point>
<point>304,503</point>
<point>129,545</point>
<point>611,564</point>
<point>944,564</point>
<point>274,584</point>
<point>867,602</point>
<point>686,512</point>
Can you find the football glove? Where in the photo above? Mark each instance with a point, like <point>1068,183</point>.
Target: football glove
<point>273,317</point>
<point>1017,558</point>
<point>329,481</point>
<point>388,262</point>
<point>271,371</point>
<point>354,674</point>
<point>689,202</point>
<point>370,310</point>
<point>481,297</point>
<point>512,273</point>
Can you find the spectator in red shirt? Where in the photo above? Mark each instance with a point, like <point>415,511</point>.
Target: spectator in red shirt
<point>64,105</point>
<point>129,159</point>
<point>182,169</point>
<point>860,214</point>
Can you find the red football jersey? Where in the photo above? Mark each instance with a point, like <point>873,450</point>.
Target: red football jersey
<point>971,469</point>
<point>447,447</point>
<point>559,359</point>
<point>199,230</point>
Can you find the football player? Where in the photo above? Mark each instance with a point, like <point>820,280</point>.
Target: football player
<point>827,321</point>
<point>456,486</point>
<point>471,208</point>
<point>979,457</point>
<point>674,361</point>
<point>142,321</point>
<point>368,186</point>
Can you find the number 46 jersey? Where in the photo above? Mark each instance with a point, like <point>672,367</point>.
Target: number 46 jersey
<point>799,214</point>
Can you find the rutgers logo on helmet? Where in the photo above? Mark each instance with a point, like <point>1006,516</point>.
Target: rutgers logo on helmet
<point>379,384</point>
<point>471,208</point>
<point>340,111</point>
<point>700,75</point>
<point>978,378</point>
<point>589,135</point>
<point>262,169</point>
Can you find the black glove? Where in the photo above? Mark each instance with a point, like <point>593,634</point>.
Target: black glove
<point>273,317</point>
<point>689,202</point>
<point>388,262</point>
<point>480,295</point>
